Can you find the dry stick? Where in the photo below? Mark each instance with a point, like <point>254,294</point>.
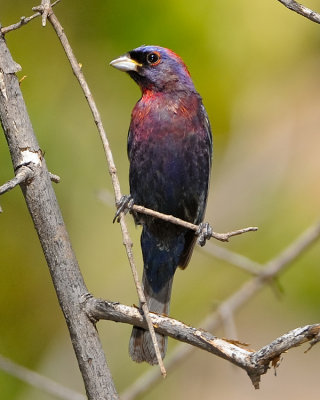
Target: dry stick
<point>233,258</point>
<point>113,173</point>
<point>302,10</point>
<point>223,237</point>
<point>48,222</point>
<point>22,175</point>
<point>231,305</point>
<point>23,21</point>
<point>255,363</point>
<point>219,252</point>
<point>39,381</point>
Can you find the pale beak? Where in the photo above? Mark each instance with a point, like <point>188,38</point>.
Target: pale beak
<point>125,63</point>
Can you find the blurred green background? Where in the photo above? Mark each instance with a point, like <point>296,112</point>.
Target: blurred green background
<point>256,65</point>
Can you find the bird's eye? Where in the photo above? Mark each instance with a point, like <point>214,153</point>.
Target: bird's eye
<point>153,58</point>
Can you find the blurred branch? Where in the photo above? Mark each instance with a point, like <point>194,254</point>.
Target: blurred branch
<point>237,300</point>
<point>39,381</point>
<point>301,9</point>
<point>233,258</point>
<point>48,222</point>
<point>255,363</point>
<point>112,171</point>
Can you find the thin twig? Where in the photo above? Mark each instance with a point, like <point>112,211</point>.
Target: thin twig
<point>223,237</point>
<point>216,251</point>
<point>237,300</point>
<point>39,381</point>
<point>22,175</point>
<point>302,10</point>
<point>23,21</point>
<point>256,363</point>
<point>113,173</point>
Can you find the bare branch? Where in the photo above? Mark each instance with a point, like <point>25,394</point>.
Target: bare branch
<point>216,251</point>
<point>237,300</point>
<point>22,175</point>
<point>233,258</point>
<point>113,173</point>
<point>39,381</point>
<point>46,215</point>
<point>254,363</point>
<point>223,237</point>
<point>44,9</point>
<point>23,21</point>
<point>302,10</point>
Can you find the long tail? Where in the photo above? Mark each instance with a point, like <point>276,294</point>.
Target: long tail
<point>160,262</point>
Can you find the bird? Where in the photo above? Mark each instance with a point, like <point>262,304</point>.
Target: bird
<point>170,154</point>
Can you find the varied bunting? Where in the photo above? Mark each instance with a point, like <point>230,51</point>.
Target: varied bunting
<point>170,150</point>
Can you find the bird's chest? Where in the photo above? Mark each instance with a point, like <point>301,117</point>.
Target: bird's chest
<point>165,152</point>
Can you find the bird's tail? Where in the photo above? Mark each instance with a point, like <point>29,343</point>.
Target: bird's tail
<point>160,262</point>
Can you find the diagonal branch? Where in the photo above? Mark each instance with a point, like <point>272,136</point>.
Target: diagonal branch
<point>39,381</point>
<point>237,300</point>
<point>23,21</point>
<point>255,363</point>
<point>22,175</point>
<point>48,222</point>
<point>112,170</point>
<point>302,10</point>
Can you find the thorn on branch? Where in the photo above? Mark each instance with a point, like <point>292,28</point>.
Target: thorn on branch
<point>22,175</point>
<point>54,178</point>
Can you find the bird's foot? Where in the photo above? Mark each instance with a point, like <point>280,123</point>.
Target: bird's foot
<point>124,205</point>
<point>204,233</point>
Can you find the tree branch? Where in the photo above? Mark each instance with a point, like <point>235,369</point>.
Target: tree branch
<point>22,175</point>
<point>302,10</point>
<point>53,236</point>
<point>23,21</point>
<point>237,300</point>
<point>112,171</point>
<point>223,237</point>
<point>254,363</point>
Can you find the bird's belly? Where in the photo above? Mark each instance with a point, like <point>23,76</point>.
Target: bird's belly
<point>170,177</point>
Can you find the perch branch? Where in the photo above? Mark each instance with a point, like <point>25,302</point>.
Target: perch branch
<point>216,251</point>
<point>113,173</point>
<point>237,300</point>
<point>302,10</point>
<point>255,363</point>
<point>223,237</point>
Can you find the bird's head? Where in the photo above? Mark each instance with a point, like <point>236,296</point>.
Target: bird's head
<point>155,68</point>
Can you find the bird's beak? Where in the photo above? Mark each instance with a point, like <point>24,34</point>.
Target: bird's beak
<point>125,63</point>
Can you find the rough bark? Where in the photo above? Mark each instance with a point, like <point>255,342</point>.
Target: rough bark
<point>50,227</point>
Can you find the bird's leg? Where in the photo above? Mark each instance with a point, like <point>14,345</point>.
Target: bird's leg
<point>124,205</point>
<point>204,233</point>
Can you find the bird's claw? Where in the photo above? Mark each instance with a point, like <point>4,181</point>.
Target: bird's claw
<point>204,233</point>
<point>124,205</point>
